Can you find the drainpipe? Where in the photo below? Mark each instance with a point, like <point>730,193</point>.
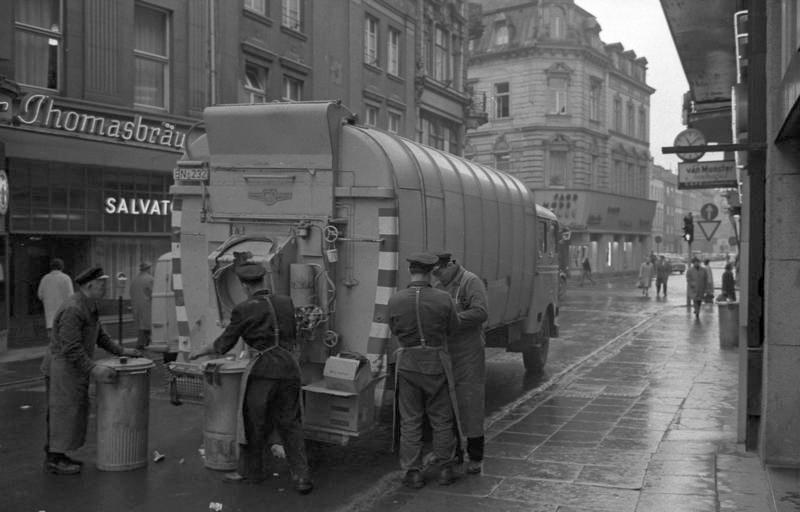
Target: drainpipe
<point>212,50</point>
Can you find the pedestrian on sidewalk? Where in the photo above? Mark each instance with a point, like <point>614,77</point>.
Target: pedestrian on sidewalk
<point>663,271</point>
<point>141,302</point>
<point>423,318</point>
<point>709,294</point>
<point>54,288</point>
<point>646,272</point>
<point>696,282</point>
<point>68,365</point>
<point>467,351</point>
<point>270,383</point>
<point>728,284</point>
<point>586,270</point>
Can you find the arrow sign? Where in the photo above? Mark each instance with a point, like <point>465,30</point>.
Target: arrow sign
<point>709,211</point>
<point>709,227</point>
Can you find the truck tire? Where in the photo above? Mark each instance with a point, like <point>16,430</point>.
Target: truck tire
<point>535,358</point>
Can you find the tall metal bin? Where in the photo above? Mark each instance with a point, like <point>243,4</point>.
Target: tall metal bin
<point>123,412</point>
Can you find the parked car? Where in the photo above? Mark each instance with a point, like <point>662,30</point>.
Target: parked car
<point>678,263</point>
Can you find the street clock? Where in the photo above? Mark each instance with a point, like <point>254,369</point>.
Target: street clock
<point>690,137</point>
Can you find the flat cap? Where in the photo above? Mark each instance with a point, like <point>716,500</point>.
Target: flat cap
<point>423,258</point>
<point>250,271</point>
<point>444,257</point>
<point>90,274</point>
<point>145,265</point>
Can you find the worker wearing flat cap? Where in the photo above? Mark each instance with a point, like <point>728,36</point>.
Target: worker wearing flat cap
<point>142,303</point>
<point>467,351</point>
<point>422,318</point>
<point>68,366</point>
<point>270,397</point>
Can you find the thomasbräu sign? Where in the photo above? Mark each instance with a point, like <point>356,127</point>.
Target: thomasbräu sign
<point>40,110</point>
<point>136,206</point>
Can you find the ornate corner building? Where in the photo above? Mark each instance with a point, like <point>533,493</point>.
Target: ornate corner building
<point>569,116</point>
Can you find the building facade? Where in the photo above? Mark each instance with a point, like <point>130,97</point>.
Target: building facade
<point>569,115</point>
<point>95,106</point>
<point>97,100</point>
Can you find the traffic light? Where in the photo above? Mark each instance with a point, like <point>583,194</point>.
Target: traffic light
<point>688,228</point>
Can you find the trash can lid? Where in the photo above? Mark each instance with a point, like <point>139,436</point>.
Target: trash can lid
<point>225,365</point>
<point>123,363</point>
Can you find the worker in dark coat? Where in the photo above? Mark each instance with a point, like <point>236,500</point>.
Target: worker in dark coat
<point>422,318</point>
<point>68,366</point>
<point>271,383</point>
<point>467,352</point>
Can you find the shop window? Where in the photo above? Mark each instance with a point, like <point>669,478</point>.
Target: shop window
<point>371,41</point>
<point>38,42</point>
<point>151,56</point>
<point>292,88</point>
<point>292,15</point>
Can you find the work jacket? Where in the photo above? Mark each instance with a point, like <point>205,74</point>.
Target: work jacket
<point>67,364</point>
<point>467,346</point>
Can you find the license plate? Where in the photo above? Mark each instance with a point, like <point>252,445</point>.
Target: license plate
<point>190,174</point>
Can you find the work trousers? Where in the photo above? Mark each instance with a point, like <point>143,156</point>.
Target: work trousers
<point>421,395</point>
<point>268,404</point>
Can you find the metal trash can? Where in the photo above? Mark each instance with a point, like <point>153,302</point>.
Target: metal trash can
<point>728,324</point>
<point>123,410</point>
<point>223,379</point>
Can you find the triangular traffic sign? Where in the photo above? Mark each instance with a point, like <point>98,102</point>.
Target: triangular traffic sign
<point>706,225</point>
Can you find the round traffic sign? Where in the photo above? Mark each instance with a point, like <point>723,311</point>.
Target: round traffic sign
<point>658,239</point>
<point>732,241</point>
<point>709,211</point>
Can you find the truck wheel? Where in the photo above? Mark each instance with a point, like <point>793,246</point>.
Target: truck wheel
<point>535,358</point>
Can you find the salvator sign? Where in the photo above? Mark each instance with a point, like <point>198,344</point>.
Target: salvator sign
<point>137,206</point>
<point>40,110</point>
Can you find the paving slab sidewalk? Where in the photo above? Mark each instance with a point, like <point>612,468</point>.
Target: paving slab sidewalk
<point>647,426</point>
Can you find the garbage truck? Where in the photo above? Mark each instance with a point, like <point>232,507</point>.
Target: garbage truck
<point>332,208</point>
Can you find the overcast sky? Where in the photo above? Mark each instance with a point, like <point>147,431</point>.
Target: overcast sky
<point>640,26</point>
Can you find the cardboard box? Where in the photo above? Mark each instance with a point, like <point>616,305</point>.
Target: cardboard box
<point>339,411</point>
<point>346,374</point>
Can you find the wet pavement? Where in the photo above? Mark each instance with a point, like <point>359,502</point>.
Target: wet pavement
<point>635,412</point>
<point>646,424</point>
